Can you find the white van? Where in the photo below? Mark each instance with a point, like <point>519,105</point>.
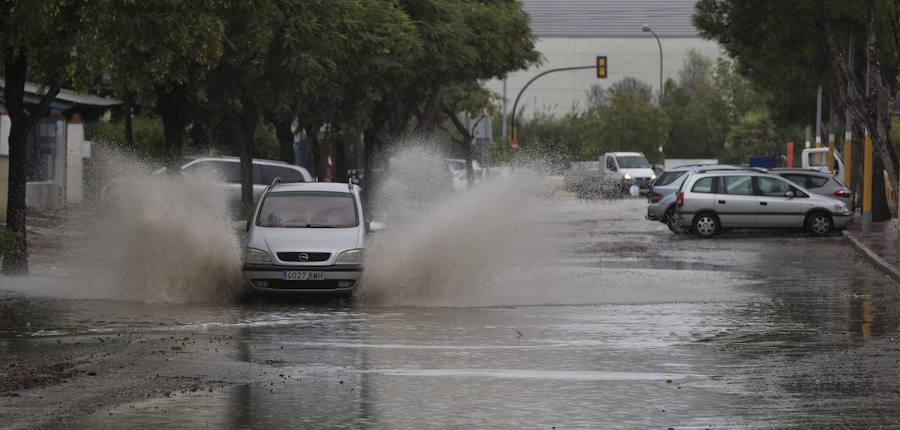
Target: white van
<point>626,172</point>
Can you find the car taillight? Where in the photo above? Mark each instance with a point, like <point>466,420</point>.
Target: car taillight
<point>655,197</point>
<point>680,201</point>
<point>843,192</point>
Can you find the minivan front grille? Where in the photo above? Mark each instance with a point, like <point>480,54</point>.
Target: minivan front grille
<point>304,257</point>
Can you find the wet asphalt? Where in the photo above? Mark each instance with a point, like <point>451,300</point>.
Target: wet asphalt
<point>751,329</point>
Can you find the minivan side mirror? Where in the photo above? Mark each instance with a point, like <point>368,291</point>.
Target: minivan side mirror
<point>375,226</point>
<point>789,194</point>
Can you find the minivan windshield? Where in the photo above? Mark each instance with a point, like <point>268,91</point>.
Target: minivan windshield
<point>632,162</point>
<point>308,209</point>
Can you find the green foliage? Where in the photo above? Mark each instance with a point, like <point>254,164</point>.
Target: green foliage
<point>147,131</point>
<point>265,145</point>
<point>626,124</point>
<point>553,140</point>
<point>708,100</point>
<point>598,96</point>
<point>754,134</point>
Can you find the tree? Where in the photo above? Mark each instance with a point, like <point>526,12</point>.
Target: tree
<point>770,39</point>
<point>50,43</point>
<point>754,134</point>
<point>163,51</point>
<point>598,96</point>
<point>626,124</point>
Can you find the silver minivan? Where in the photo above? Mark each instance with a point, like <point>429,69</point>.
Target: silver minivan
<point>307,238</point>
<point>711,200</point>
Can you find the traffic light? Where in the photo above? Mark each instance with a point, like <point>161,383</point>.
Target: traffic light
<point>601,66</point>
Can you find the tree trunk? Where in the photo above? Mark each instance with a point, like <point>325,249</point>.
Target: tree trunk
<point>340,160</point>
<point>171,103</point>
<point>15,259</point>
<point>128,103</point>
<point>285,142</point>
<point>244,124</point>
<point>880,210</point>
<point>370,144</point>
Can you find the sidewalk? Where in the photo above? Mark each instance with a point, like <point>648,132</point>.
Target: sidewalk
<point>879,247</point>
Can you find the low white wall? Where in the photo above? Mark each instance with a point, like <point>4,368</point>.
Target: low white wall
<point>74,186</point>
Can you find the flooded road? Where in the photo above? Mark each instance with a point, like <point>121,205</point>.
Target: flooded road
<point>627,326</point>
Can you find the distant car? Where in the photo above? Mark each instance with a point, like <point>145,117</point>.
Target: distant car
<point>663,190</point>
<point>307,238</point>
<point>817,181</point>
<point>712,199</point>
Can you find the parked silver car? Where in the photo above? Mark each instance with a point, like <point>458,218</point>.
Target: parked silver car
<point>307,238</point>
<point>664,189</point>
<point>817,181</point>
<point>711,200</point>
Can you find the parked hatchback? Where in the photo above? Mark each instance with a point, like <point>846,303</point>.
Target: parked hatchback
<point>307,238</point>
<point>711,200</point>
<point>817,181</point>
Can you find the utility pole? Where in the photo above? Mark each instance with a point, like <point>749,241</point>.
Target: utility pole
<point>867,171</point>
<point>504,109</point>
<point>830,138</point>
<point>819,117</point>
<point>848,124</point>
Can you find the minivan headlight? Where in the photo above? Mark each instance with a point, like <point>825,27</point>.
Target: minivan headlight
<point>353,256</point>
<point>627,177</point>
<point>253,255</point>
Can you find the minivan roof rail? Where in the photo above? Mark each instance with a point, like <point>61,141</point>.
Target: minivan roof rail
<point>719,169</point>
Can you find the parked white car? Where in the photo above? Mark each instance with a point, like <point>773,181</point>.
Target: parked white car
<point>229,170</point>
<point>307,238</point>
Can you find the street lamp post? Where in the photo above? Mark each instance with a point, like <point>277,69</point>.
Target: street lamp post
<point>647,29</point>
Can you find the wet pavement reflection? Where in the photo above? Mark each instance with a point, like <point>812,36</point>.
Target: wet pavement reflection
<point>807,338</point>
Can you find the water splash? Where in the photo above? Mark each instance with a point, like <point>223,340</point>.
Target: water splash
<point>443,248</point>
<point>148,237</point>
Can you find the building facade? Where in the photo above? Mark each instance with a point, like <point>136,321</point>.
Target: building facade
<point>574,32</point>
<point>56,148</point>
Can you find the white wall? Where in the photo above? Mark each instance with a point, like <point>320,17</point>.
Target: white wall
<point>559,92</point>
<point>5,125</point>
<point>74,165</point>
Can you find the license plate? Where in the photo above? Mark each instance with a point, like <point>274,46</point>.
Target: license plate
<point>304,276</point>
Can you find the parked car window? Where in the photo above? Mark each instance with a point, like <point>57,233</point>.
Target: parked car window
<point>739,185</point>
<point>269,173</point>
<point>773,187</point>
<point>308,209</point>
<point>816,181</point>
<point>228,171</point>
<point>703,185</point>
<point>667,178</point>
<point>797,179</point>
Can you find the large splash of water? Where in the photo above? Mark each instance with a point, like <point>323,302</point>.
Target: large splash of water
<point>147,237</point>
<point>446,248</point>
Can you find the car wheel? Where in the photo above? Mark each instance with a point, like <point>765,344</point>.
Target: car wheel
<point>819,224</point>
<point>706,225</point>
